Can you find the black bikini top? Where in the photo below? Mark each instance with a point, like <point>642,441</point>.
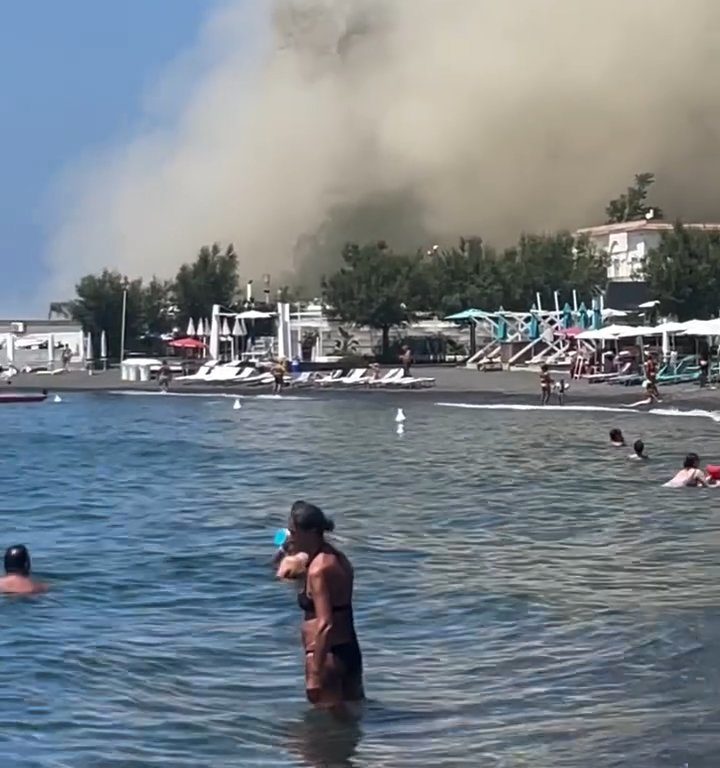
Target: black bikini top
<point>307,605</point>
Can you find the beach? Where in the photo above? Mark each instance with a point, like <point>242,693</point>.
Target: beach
<point>457,384</point>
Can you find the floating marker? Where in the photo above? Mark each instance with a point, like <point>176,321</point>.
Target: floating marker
<point>281,537</point>
<point>57,399</point>
<point>400,416</point>
<point>237,405</point>
<point>400,429</point>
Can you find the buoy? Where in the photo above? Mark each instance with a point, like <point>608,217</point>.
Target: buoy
<point>400,416</point>
<point>401,429</point>
<point>236,405</point>
<point>57,399</point>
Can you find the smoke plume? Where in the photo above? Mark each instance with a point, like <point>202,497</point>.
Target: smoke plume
<point>408,120</point>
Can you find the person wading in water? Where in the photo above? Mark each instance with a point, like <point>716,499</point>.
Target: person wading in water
<point>333,661</point>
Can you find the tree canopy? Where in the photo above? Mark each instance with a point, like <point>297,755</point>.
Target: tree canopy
<point>684,272</point>
<point>632,205</point>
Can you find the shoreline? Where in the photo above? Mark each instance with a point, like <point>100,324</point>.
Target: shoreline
<point>456,385</point>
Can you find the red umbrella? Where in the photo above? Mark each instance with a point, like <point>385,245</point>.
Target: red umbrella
<point>187,343</point>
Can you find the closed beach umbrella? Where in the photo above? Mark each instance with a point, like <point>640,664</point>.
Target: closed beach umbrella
<point>88,348</point>
<point>51,351</point>
<point>207,327</point>
<point>200,328</point>
<point>191,328</point>
<point>567,318</point>
<point>534,327</point>
<point>597,318</point>
<point>103,346</point>
<point>236,330</point>
<point>583,317</point>
<point>501,328</point>
<point>225,328</point>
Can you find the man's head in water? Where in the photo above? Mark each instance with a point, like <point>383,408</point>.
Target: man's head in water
<point>692,461</point>
<point>308,525</point>
<point>616,437</point>
<point>17,561</point>
<point>639,448</point>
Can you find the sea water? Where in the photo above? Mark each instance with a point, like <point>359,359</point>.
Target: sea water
<point>525,595</point>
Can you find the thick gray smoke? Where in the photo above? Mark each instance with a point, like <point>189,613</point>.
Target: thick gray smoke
<point>405,120</point>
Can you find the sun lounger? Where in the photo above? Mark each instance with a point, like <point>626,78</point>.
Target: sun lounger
<point>387,379</point>
<point>603,378</point>
<point>355,375</point>
<point>336,374</point>
<point>412,382</point>
<point>304,379</point>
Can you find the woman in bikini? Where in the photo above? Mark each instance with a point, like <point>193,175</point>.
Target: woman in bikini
<point>333,661</point>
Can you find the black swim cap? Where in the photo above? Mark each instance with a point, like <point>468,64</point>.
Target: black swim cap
<point>17,560</point>
<point>308,517</point>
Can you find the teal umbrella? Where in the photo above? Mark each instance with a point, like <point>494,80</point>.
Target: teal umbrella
<point>501,329</point>
<point>597,321</point>
<point>466,314</point>
<point>534,331</point>
<point>583,316</point>
<point>567,317</point>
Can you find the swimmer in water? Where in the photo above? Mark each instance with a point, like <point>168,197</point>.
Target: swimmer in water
<point>690,475</point>
<point>616,438</point>
<point>639,451</point>
<point>333,661</point>
<point>17,580</point>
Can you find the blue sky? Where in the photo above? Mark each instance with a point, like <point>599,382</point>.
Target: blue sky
<point>73,74</point>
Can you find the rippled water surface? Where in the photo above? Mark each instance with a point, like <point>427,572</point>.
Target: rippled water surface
<point>525,595</point>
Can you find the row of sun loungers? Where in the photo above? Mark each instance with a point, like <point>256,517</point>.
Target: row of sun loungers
<point>214,373</point>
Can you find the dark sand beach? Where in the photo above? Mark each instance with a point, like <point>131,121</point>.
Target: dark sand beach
<point>453,384</point>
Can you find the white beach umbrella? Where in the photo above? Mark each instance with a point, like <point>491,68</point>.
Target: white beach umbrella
<point>88,348</point>
<point>190,328</point>
<point>208,326</point>
<point>253,314</point>
<point>200,328</point>
<point>103,345</point>
<point>225,329</point>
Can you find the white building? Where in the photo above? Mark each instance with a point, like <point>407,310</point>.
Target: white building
<point>628,243</point>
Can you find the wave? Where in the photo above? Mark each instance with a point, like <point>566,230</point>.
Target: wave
<point>633,409</point>
<point>206,395</point>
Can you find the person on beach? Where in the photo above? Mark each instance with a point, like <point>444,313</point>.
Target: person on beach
<point>407,360</point>
<point>704,366</point>
<point>561,387</point>
<point>638,453</point>
<point>651,379</point>
<point>66,357</point>
<point>164,376</point>
<point>690,475</point>
<point>17,579</point>
<point>333,661</point>
<point>616,438</point>
<point>545,384</point>
<point>278,373</point>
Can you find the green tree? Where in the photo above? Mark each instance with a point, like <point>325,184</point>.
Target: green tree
<point>684,272</point>
<point>98,307</point>
<point>375,288</point>
<point>547,263</point>
<point>211,279</point>
<point>157,306</point>
<point>632,205</point>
